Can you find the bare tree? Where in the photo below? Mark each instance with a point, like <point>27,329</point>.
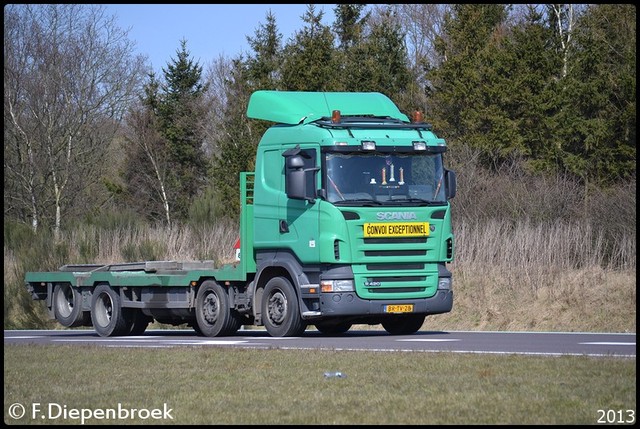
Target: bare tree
<point>422,25</point>
<point>149,152</point>
<point>565,21</point>
<point>217,79</point>
<point>69,76</point>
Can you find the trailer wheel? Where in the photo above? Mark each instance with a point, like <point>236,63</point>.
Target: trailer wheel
<point>67,306</point>
<point>138,321</point>
<point>403,324</point>
<point>214,315</point>
<point>108,317</point>
<point>280,310</point>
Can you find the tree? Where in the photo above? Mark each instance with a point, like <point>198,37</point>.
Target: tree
<point>386,65</point>
<point>149,161</point>
<point>349,24</point>
<point>263,67</point>
<point>351,57</point>
<point>422,23</point>
<point>236,146</point>
<point>465,106</point>
<point>598,139</point>
<point>169,132</point>
<point>310,63</point>
<point>69,75</point>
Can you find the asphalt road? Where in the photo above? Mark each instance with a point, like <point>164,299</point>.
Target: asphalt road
<point>523,343</point>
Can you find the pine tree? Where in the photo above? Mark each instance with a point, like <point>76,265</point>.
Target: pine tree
<point>463,86</point>
<point>181,113</point>
<point>263,67</point>
<point>310,63</point>
<point>598,137</point>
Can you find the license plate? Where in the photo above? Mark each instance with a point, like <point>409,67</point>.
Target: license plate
<point>399,308</point>
<point>404,229</point>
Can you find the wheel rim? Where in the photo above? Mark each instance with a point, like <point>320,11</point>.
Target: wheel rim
<point>277,307</point>
<point>64,302</point>
<point>211,308</point>
<point>104,310</point>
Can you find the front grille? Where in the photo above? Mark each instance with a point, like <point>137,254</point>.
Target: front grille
<point>398,290</point>
<point>397,279</point>
<point>388,267</point>
<point>395,252</point>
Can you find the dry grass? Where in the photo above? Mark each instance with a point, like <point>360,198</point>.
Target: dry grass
<point>554,276</point>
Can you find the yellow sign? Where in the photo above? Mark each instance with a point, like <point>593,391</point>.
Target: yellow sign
<point>404,229</point>
<point>399,308</point>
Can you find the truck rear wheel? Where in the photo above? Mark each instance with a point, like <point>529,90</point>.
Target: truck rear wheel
<point>108,317</point>
<point>402,324</point>
<point>67,306</point>
<point>280,310</point>
<point>214,315</point>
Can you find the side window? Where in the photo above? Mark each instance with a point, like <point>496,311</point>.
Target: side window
<point>300,173</point>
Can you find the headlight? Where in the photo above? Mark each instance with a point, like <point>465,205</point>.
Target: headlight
<point>336,285</point>
<point>444,283</point>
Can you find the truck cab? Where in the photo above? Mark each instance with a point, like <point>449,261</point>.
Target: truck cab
<point>351,211</point>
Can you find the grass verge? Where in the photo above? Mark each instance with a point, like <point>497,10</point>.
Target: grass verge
<point>220,385</point>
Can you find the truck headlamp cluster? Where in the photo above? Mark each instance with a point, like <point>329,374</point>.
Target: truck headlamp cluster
<point>444,283</point>
<point>336,285</point>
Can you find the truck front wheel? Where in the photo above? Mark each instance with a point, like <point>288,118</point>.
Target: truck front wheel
<point>280,310</point>
<point>214,315</point>
<point>67,306</point>
<point>331,328</point>
<point>402,324</point>
<point>108,317</point>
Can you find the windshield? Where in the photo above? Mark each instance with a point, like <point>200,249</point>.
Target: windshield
<point>383,178</point>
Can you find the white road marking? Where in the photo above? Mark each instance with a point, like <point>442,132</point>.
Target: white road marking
<point>434,340</point>
<point>604,343</point>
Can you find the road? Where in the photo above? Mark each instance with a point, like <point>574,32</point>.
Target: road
<point>522,343</point>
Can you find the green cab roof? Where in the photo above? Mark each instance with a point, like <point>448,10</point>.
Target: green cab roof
<point>297,107</point>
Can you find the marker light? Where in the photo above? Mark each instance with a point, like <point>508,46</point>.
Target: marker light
<point>368,145</point>
<point>418,117</point>
<point>335,116</point>
<point>419,145</point>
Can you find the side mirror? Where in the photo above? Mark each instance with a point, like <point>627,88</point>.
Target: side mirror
<point>295,184</point>
<point>450,183</point>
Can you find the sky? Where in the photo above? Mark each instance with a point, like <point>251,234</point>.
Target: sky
<point>210,30</point>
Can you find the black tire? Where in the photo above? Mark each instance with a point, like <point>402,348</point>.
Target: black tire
<point>138,321</point>
<point>280,310</point>
<point>196,328</point>
<point>402,324</point>
<point>333,327</point>
<point>214,315</point>
<point>108,317</point>
<point>67,306</point>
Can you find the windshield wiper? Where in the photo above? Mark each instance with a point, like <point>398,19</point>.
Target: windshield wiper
<point>364,202</point>
<point>412,200</point>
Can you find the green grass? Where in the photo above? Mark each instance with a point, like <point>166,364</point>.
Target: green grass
<point>220,385</point>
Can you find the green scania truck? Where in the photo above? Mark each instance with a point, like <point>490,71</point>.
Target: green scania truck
<point>345,220</point>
